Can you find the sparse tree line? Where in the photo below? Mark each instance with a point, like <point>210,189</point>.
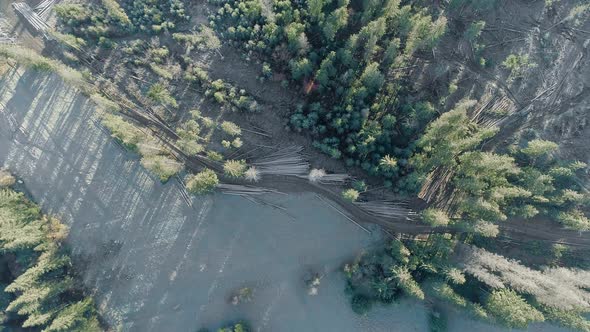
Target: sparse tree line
<point>39,286</point>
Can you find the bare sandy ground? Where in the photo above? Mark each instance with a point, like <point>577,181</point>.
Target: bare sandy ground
<point>156,264</point>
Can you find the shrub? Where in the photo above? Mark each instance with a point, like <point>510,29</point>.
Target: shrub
<point>219,97</point>
<point>511,309</point>
<point>361,304</point>
<point>359,185</point>
<point>252,174</point>
<point>158,93</point>
<point>231,128</point>
<point>539,147</point>
<point>350,195</point>
<point>235,168</point>
<point>6,179</point>
<point>162,166</point>
<point>215,156</point>
<point>115,12</point>
<point>237,143</point>
<point>517,65</point>
<point>202,182</point>
<point>437,321</point>
<point>125,132</point>
<point>435,217</point>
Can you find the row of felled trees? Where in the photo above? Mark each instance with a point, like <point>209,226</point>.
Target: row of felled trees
<point>41,291</point>
<point>351,58</point>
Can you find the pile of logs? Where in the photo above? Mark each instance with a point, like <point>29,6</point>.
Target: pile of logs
<point>31,16</point>
<point>5,38</point>
<point>287,161</point>
<point>44,8</point>
<point>388,209</point>
<point>320,176</point>
<point>244,190</point>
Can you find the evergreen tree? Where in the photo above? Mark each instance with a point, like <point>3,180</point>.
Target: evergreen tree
<point>511,309</point>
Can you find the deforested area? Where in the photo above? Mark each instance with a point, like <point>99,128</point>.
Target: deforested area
<point>279,165</point>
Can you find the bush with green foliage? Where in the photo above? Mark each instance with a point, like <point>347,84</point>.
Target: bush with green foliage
<point>202,182</point>
<point>154,156</point>
<point>518,65</point>
<point>512,310</point>
<point>123,131</point>
<point>435,217</point>
<point>159,94</point>
<point>162,165</point>
<point>230,128</point>
<point>235,168</point>
<point>6,179</point>
<point>350,195</point>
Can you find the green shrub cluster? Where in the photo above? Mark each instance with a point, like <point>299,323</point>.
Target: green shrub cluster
<point>202,182</point>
